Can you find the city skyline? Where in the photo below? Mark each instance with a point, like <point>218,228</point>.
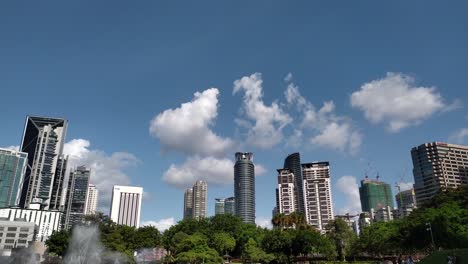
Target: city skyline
<point>158,101</point>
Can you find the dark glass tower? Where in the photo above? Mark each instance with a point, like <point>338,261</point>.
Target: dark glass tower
<point>76,196</point>
<point>244,187</point>
<point>293,163</point>
<point>43,140</point>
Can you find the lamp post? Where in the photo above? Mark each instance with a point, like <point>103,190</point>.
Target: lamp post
<point>429,228</point>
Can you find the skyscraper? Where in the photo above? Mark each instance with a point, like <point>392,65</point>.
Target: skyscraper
<point>92,199</point>
<point>317,194</point>
<point>219,206</point>
<point>438,166</point>
<point>126,205</point>
<point>244,187</point>
<point>57,188</point>
<point>375,195</point>
<point>200,188</point>
<point>43,140</point>
<point>77,192</point>
<point>12,169</point>
<point>188,203</point>
<point>286,192</point>
<point>230,206</point>
<point>293,163</point>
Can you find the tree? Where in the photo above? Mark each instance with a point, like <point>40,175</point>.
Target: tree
<point>58,242</point>
<point>255,254</point>
<point>147,237</point>
<point>342,235</point>
<point>223,243</point>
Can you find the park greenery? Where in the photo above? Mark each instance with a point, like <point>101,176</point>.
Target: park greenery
<point>209,240</point>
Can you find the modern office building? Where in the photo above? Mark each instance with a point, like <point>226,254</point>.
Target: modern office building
<point>219,206</point>
<point>375,195</point>
<point>244,186</point>
<point>188,203</point>
<point>200,189</point>
<point>57,188</point>
<point>43,140</point>
<point>438,166</point>
<point>15,234</point>
<point>317,194</point>
<point>12,169</point>
<point>286,192</point>
<point>92,200</point>
<point>406,199</point>
<point>47,221</point>
<point>126,205</point>
<point>77,192</point>
<point>293,163</point>
<point>230,206</point>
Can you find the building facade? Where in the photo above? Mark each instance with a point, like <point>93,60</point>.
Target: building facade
<point>188,203</point>
<point>406,199</point>
<point>293,163</point>
<point>317,194</point>
<point>77,192</point>
<point>219,206</point>
<point>383,214</point>
<point>438,166</point>
<point>92,200</point>
<point>12,169</point>
<point>15,234</point>
<point>230,206</point>
<point>47,221</point>
<point>375,194</point>
<point>43,140</point>
<point>57,189</point>
<point>126,205</point>
<point>244,186</point>
<point>200,189</point>
<point>286,192</point>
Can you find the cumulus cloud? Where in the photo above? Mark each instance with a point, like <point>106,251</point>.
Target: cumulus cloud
<point>264,123</point>
<point>349,187</point>
<point>15,148</point>
<point>162,225</point>
<point>106,170</point>
<point>187,129</point>
<point>264,222</point>
<point>397,101</point>
<point>459,137</point>
<point>324,127</point>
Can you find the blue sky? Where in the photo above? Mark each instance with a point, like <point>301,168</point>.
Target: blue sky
<point>354,83</point>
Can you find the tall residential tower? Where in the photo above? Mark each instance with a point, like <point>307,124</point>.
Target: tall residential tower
<point>293,163</point>
<point>200,189</point>
<point>286,192</point>
<point>188,203</point>
<point>244,187</point>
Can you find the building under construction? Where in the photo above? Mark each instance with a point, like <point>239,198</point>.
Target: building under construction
<point>375,194</point>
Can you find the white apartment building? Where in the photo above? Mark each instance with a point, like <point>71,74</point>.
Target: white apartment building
<point>200,189</point>
<point>126,205</point>
<point>285,192</point>
<point>91,199</point>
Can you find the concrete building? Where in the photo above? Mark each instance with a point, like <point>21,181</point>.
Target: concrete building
<point>126,205</point>
<point>15,234</point>
<point>375,194</point>
<point>293,163</point>
<point>402,212</point>
<point>46,221</point>
<point>244,187</point>
<point>286,192</point>
<point>200,189</point>
<point>219,206</point>
<point>406,199</point>
<point>188,203</point>
<point>364,220</point>
<point>438,166</point>
<point>230,205</point>
<point>77,192</point>
<point>12,169</point>
<point>92,200</point>
<point>317,194</point>
<point>43,140</point>
<point>383,214</point>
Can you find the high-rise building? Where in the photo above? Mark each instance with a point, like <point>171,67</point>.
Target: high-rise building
<point>317,194</point>
<point>12,168</point>
<point>438,166</point>
<point>43,140</point>
<point>230,206</point>
<point>293,163</point>
<point>92,199</point>
<point>57,188</point>
<point>126,205</point>
<point>286,192</point>
<point>200,189</point>
<point>77,192</point>
<point>219,206</point>
<point>244,187</point>
<point>406,199</point>
<point>375,195</point>
<point>188,203</point>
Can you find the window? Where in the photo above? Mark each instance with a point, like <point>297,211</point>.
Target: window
<point>22,241</point>
<point>11,235</point>
<point>12,228</point>
<point>24,229</point>
<point>9,241</point>
<point>23,235</point>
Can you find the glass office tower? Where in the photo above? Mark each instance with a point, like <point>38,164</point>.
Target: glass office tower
<point>244,187</point>
<point>12,169</point>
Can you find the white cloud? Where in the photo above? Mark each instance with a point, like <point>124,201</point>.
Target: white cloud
<point>404,186</point>
<point>265,123</point>
<point>288,77</point>
<point>398,102</point>
<point>323,127</point>
<point>187,129</point>
<point>162,225</point>
<point>264,222</point>
<point>459,137</point>
<point>15,148</point>
<point>349,187</point>
<point>106,170</point>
